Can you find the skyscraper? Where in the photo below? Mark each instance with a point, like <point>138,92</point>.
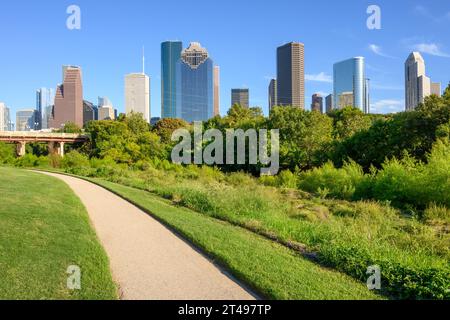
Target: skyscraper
<point>291,75</point>
<point>346,99</point>
<point>240,97</point>
<point>88,112</point>
<point>170,56</point>
<point>317,103</point>
<point>3,125</point>
<point>8,125</point>
<point>195,84</point>
<point>45,99</point>
<point>350,76</point>
<point>25,120</point>
<point>105,109</point>
<point>417,85</point>
<point>216,90</point>
<point>69,99</point>
<point>436,88</point>
<point>329,103</point>
<point>137,94</point>
<point>272,94</point>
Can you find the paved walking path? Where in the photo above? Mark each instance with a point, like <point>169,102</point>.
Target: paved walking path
<point>148,261</point>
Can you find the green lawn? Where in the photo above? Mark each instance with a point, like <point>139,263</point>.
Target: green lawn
<point>44,229</point>
<point>272,269</point>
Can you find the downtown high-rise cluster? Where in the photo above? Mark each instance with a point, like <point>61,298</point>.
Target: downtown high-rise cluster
<point>190,90</point>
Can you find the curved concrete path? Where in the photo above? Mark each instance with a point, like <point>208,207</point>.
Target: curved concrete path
<point>148,261</point>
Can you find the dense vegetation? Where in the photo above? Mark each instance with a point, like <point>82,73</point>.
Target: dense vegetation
<point>355,190</point>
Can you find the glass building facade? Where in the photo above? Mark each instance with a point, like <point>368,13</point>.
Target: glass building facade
<point>195,85</point>
<point>350,76</point>
<point>170,56</point>
<point>45,99</point>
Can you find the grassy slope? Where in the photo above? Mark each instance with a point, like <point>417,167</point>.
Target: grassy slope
<point>272,269</point>
<point>44,228</point>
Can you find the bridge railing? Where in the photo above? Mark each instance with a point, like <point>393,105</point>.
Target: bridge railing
<point>52,135</point>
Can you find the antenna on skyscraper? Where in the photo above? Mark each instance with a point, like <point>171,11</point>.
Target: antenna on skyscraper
<point>143,60</point>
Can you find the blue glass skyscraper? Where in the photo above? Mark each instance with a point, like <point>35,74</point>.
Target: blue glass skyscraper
<point>349,77</point>
<point>195,85</point>
<point>170,56</point>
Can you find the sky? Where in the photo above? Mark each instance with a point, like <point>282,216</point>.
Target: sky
<point>240,36</point>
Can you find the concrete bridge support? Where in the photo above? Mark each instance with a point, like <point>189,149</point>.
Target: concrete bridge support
<point>20,147</point>
<point>56,148</point>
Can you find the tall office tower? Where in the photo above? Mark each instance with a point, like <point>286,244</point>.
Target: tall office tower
<point>8,122</point>
<point>106,113</point>
<point>25,120</point>
<point>69,99</point>
<point>346,99</point>
<point>417,85</point>
<point>350,76</point>
<point>291,75</point>
<point>105,109</point>
<point>436,88</point>
<point>216,90</point>
<point>3,124</point>
<point>137,95</point>
<point>366,96</point>
<point>317,103</point>
<point>88,112</point>
<point>195,84</point>
<point>170,56</point>
<point>45,99</point>
<point>329,103</point>
<point>240,97</point>
<point>272,94</point>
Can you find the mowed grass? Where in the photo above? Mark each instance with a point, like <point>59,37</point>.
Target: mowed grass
<point>273,270</point>
<point>44,229</point>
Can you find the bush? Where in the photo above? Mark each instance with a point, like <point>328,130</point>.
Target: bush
<point>76,163</point>
<point>30,160</point>
<point>398,280</point>
<point>7,153</point>
<point>339,183</point>
<point>54,160</point>
<point>397,182</point>
<point>286,179</point>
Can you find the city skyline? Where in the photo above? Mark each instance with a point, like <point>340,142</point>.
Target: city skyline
<point>385,50</point>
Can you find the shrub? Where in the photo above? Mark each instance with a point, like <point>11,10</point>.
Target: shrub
<point>397,182</point>
<point>7,153</point>
<point>286,179</point>
<point>339,183</point>
<point>54,160</point>
<point>74,159</point>
<point>398,280</point>
<point>30,160</point>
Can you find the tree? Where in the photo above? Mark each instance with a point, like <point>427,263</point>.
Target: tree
<point>165,127</point>
<point>71,127</point>
<point>348,121</point>
<point>413,132</point>
<point>136,123</point>
<point>305,136</point>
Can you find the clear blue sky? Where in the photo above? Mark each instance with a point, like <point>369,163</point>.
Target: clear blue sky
<point>241,37</point>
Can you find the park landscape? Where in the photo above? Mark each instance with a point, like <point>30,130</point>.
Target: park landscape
<point>354,191</point>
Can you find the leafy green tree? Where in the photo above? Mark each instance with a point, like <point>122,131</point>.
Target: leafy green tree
<point>305,136</point>
<point>70,127</point>
<point>348,121</point>
<point>136,123</point>
<point>165,127</point>
<point>412,132</point>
